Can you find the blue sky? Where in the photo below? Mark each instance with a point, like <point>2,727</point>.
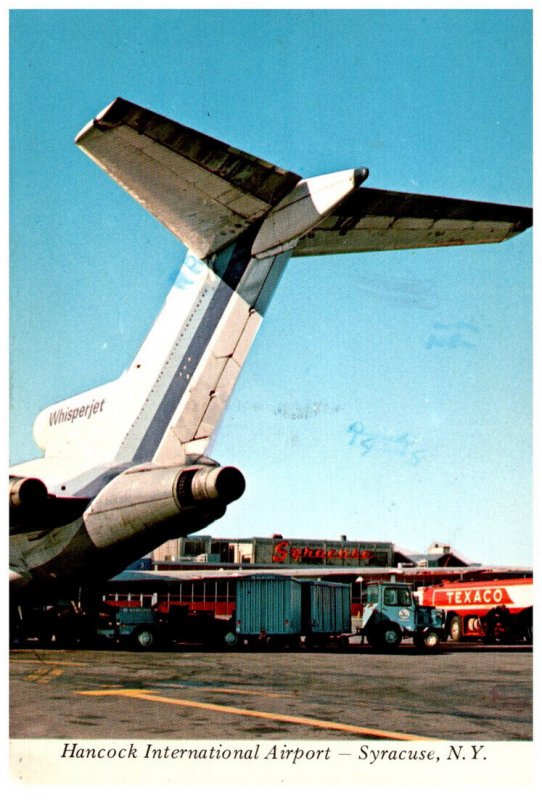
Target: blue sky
<point>388,395</point>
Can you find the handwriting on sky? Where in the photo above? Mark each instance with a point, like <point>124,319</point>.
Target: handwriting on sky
<point>452,336</point>
<point>306,411</point>
<point>403,446</point>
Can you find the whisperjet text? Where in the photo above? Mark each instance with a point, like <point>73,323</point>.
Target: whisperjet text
<point>71,414</point>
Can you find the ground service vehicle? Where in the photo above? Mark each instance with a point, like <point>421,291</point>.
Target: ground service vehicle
<point>145,628</point>
<point>63,624</point>
<point>282,610</point>
<point>390,614</point>
<point>500,610</point>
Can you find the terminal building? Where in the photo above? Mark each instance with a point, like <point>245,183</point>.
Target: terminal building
<point>202,572</point>
<point>277,551</point>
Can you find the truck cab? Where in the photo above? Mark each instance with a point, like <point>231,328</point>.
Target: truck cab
<point>390,614</point>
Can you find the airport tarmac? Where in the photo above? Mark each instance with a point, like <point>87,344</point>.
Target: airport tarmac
<point>461,693</point>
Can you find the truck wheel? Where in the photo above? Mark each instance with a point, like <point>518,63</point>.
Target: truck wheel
<point>524,626</point>
<point>230,639</point>
<point>456,629</point>
<point>430,640</point>
<point>389,637</point>
<point>145,639</point>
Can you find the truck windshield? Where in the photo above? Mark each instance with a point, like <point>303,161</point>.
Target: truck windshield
<point>397,597</point>
<point>371,595</point>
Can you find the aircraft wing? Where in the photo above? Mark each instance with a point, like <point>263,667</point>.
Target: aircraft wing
<point>204,191</point>
<point>374,219</point>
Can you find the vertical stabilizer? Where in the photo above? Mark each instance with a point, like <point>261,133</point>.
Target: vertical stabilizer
<point>185,372</point>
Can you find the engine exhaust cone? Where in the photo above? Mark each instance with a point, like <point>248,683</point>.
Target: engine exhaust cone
<point>230,484</point>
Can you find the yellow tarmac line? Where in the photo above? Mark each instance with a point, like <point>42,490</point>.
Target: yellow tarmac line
<point>141,694</point>
<point>43,661</point>
<point>256,692</point>
<point>44,675</point>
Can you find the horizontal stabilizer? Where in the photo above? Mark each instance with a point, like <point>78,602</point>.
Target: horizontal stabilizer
<point>374,219</point>
<point>204,191</point>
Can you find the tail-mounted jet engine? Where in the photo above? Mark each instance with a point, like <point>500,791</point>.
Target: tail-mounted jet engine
<point>27,497</point>
<point>164,501</point>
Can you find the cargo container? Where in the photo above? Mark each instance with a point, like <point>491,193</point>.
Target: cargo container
<point>268,607</point>
<point>281,609</point>
<point>326,612</point>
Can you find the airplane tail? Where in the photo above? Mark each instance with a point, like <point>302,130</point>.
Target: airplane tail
<point>166,405</point>
<point>188,365</point>
<point>242,218</point>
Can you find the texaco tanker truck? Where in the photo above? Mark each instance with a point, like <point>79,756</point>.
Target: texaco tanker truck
<point>498,610</point>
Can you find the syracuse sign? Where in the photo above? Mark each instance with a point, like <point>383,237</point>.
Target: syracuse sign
<point>283,549</point>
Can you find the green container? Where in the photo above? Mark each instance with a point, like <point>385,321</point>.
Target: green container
<point>327,608</point>
<point>268,605</point>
